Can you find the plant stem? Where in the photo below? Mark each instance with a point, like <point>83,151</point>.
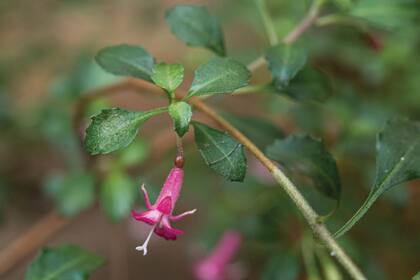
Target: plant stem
<point>267,22</point>
<point>31,240</point>
<point>307,211</point>
<point>296,32</point>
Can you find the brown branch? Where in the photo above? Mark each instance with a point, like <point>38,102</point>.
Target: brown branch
<point>31,240</point>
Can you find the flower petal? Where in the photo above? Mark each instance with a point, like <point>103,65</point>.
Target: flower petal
<point>150,217</point>
<point>166,231</point>
<point>146,197</point>
<point>165,205</point>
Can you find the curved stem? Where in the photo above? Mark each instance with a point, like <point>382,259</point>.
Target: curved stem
<point>267,22</point>
<point>307,211</point>
<point>356,217</point>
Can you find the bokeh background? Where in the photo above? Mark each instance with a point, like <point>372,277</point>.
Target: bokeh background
<point>46,63</point>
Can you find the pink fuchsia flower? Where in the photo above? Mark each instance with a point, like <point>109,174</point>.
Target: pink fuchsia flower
<point>159,215</point>
<point>216,266</point>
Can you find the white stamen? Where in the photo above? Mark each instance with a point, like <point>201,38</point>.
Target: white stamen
<point>144,246</point>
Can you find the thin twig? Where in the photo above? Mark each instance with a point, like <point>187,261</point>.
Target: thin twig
<point>267,22</point>
<point>31,240</point>
<point>296,32</point>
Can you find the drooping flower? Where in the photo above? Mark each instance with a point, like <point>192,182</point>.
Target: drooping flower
<point>159,215</point>
<point>216,266</point>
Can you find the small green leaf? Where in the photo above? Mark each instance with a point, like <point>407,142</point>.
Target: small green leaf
<point>417,276</point>
<point>181,114</point>
<point>283,266</point>
<point>309,84</point>
<point>310,157</point>
<point>64,262</point>
<point>219,75</point>
<point>117,195</point>
<point>221,152</point>
<point>114,129</point>
<point>168,76</point>
<point>260,131</point>
<point>126,60</point>
<point>397,161</point>
<point>284,62</point>
<point>71,193</point>
<point>195,26</point>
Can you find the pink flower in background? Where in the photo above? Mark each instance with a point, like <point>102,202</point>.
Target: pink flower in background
<point>159,215</point>
<point>260,172</point>
<point>216,266</point>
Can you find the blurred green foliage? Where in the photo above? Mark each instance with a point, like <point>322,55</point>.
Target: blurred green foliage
<point>368,82</point>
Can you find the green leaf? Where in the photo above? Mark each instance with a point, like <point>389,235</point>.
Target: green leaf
<point>126,60</point>
<point>219,75</point>
<point>385,13</point>
<point>114,129</point>
<point>417,276</point>
<point>284,62</point>
<point>71,193</point>
<point>283,266</point>
<point>309,84</point>
<point>64,262</point>
<point>260,131</point>
<point>221,152</point>
<point>136,153</point>
<point>397,161</point>
<point>168,76</point>
<point>117,195</point>
<point>181,114</point>
<point>310,157</point>
<point>195,26</point>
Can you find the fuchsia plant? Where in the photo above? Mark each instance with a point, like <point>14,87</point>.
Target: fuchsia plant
<point>159,214</point>
<point>216,265</point>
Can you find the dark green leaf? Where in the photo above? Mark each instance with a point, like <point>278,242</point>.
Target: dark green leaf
<point>219,75</point>
<point>196,27</point>
<point>126,60</point>
<point>65,262</point>
<point>282,266</point>
<point>397,161</point>
<point>284,62</point>
<point>417,276</point>
<point>310,157</point>
<point>114,129</point>
<point>221,152</point>
<point>168,76</point>
<point>181,114</point>
<point>117,195</point>
<point>260,131</point>
<point>71,193</point>
<point>309,84</point>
